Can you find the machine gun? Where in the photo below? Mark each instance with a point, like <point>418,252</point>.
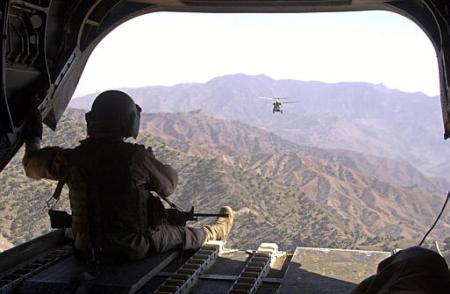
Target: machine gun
<point>61,219</point>
<point>173,215</point>
<point>179,217</point>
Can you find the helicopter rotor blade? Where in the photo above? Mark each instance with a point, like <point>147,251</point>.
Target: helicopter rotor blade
<point>278,99</point>
<point>292,98</point>
<point>266,98</point>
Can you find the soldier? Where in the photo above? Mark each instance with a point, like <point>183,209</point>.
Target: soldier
<point>113,215</point>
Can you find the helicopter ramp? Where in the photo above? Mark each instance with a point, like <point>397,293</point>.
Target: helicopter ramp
<point>46,265</point>
<point>324,270</point>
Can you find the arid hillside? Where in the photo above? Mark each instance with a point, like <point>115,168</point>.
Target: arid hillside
<point>282,192</point>
<point>377,196</point>
<point>356,116</point>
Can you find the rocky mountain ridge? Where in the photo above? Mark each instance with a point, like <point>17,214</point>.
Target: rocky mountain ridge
<point>353,188</point>
<point>202,129</point>
<point>376,194</point>
<point>361,117</point>
<point>291,195</point>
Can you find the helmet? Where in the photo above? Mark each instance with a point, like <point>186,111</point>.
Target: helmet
<point>113,113</point>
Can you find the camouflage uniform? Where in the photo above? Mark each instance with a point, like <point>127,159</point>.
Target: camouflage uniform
<point>110,174</point>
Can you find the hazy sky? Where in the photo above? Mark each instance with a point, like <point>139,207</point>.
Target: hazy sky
<point>169,48</point>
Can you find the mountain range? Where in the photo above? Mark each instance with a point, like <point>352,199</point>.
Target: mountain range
<point>370,119</point>
<point>284,192</point>
<point>377,195</point>
<point>205,181</point>
<point>369,198</point>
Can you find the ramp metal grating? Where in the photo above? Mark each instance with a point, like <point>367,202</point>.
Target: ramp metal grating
<point>187,275</point>
<point>255,270</point>
<point>10,279</point>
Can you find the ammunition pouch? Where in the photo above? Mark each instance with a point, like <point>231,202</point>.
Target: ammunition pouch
<point>59,219</point>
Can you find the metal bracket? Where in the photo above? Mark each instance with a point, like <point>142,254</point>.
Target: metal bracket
<point>187,275</point>
<point>256,269</point>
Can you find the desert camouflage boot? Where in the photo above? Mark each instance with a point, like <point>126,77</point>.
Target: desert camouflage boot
<point>221,229</point>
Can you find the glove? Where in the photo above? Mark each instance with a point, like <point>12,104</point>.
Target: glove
<point>33,124</point>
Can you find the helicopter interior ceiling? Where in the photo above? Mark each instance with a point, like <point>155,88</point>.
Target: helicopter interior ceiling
<point>46,44</point>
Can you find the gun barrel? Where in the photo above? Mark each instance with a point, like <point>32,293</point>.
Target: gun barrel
<point>211,214</point>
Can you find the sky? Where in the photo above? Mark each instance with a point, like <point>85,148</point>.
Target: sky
<point>168,48</point>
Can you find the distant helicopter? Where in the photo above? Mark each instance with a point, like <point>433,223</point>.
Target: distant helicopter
<point>277,103</point>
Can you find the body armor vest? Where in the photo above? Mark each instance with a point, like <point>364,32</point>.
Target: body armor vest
<point>103,194</point>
